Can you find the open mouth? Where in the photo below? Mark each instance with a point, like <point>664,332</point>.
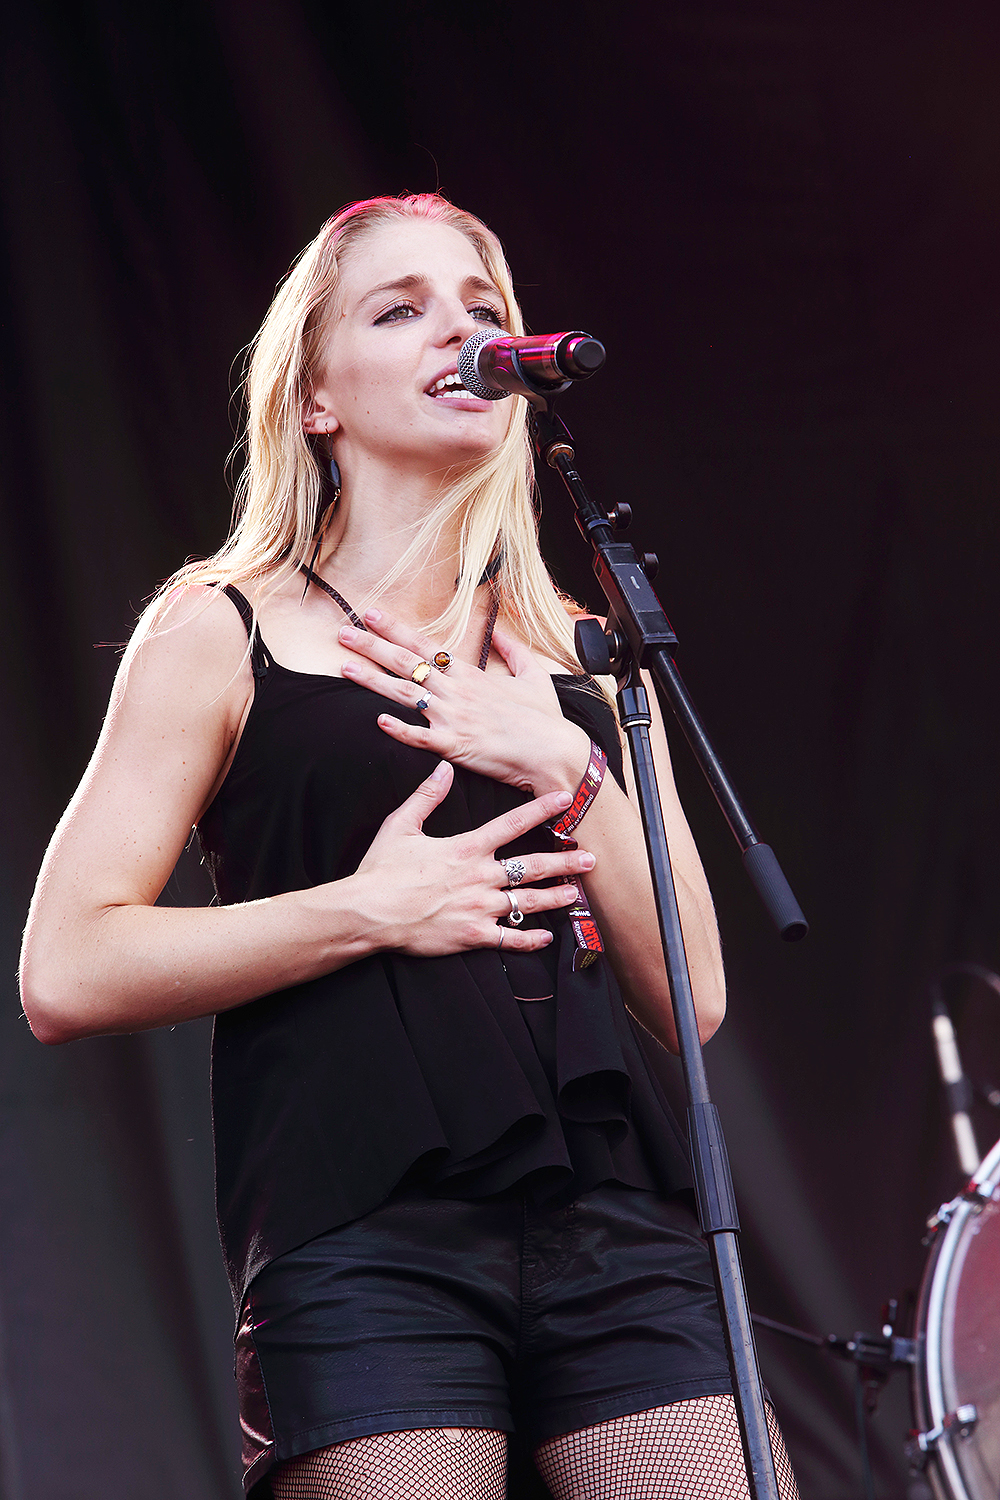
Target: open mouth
<point>447,387</point>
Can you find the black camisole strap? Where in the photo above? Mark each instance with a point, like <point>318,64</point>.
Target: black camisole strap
<point>260,657</point>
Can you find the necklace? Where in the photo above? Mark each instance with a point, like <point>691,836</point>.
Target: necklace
<point>356,620</point>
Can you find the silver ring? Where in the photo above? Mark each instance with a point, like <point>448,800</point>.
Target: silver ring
<point>500,943</point>
<point>516,914</point>
<point>423,703</point>
<point>514,870</point>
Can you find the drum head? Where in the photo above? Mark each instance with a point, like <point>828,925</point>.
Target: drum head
<point>961,1345</point>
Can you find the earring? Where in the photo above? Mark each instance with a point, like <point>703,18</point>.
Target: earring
<point>324,521</point>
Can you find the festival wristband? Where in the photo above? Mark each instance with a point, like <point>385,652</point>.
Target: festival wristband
<point>585,794</point>
<point>589,943</point>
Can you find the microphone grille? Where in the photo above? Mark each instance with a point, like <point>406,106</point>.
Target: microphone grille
<point>469,369</point>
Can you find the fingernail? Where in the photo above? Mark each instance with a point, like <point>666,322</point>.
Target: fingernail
<point>588,861</point>
<point>439,772</point>
<point>374,615</point>
<point>564,799</point>
<point>574,893</point>
<point>547,938</point>
<point>385,719</point>
<point>348,633</point>
<point>348,669</point>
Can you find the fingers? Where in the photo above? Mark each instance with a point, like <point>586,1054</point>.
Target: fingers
<point>517,656</point>
<point>555,866</point>
<point>532,900</point>
<point>391,630</point>
<point>410,815</point>
<point>385,653</point>
<point>512,940</point>
<point>511,825</point>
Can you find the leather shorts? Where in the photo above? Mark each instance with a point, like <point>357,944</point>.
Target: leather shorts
<point>497,1313</point>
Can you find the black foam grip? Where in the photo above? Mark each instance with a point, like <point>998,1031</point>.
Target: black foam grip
<point>775,892</point>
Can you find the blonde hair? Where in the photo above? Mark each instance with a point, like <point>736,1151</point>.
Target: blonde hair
<point>280,495</point>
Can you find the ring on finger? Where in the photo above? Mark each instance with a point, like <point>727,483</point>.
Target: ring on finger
<point>423,703</point>
<point>443,660</point>
<point>516,914</point>
<point>514,870</point>
<point>421,672</point>
<point>500,940</point>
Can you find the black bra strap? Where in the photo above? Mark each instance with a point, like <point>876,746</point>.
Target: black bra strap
<point>260,657</point>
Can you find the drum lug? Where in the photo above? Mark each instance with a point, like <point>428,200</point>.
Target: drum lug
<point>964,1419</point>
<point>940,1219</point>
<point>978,1194</point>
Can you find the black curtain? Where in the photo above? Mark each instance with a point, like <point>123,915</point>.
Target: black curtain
<point>782,220</point>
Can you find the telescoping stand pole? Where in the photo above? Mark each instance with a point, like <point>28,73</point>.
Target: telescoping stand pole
<point>638,635</point>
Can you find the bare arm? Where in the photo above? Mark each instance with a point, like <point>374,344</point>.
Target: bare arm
<point>99,956</point>
<point>634,945</point>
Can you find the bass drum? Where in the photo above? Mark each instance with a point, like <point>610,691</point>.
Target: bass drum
<point>958,1345</point>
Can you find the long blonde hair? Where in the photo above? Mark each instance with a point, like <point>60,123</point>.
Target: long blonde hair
<point>280,495</point>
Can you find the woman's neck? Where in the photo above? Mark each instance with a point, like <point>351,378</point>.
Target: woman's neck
<point>375,521</point>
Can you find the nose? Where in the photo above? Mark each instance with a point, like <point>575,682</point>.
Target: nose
<point>457,324</point>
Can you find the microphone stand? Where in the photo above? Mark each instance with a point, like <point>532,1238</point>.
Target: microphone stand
<point>639,635</point>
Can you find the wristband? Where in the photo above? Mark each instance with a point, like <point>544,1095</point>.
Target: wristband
<point>585,794</point>
<point>589,943</point>
<point>587,934</point>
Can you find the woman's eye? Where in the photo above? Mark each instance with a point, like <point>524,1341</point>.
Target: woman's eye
<point>487,314</point>
<point>397,314</point>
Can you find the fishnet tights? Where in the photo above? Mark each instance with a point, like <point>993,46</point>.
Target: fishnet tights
<point>687,1451</point>
<point>431,1463</point>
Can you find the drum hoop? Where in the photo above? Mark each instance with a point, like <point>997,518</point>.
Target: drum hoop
<point>932,1367</point>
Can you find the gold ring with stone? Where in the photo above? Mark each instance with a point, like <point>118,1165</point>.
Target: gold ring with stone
<point>421,672</point>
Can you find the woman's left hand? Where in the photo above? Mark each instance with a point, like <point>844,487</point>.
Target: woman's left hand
<point>509,728</point>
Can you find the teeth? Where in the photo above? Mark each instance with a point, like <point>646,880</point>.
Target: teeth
<point>450,384</point>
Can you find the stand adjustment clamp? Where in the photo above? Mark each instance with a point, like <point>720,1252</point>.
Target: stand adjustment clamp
<point>961,1421</point>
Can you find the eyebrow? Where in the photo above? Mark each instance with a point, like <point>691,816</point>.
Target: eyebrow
<point>414,280</point>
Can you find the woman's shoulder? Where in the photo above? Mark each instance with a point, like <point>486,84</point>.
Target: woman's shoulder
<point>189,638</point>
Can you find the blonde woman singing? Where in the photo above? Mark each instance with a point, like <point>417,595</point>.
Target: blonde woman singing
<point>453,1203</point>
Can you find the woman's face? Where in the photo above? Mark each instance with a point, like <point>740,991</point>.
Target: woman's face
<point>411,293</point>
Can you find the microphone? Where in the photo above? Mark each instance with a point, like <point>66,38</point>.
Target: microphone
<point>494,365</point>
<point>957,1088</point>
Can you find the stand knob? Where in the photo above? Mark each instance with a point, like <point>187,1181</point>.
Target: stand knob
<point>650,565</point>
<point>621,516</point>
<point>592,647</point>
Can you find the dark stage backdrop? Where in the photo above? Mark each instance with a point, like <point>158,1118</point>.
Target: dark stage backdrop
<point>782,219</point>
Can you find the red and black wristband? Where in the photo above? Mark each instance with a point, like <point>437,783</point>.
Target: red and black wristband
<point>589,943</point>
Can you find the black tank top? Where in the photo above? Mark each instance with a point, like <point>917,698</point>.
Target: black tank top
<point>327,1095</point>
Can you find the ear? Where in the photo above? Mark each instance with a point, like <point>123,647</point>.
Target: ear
<point>317,415</point>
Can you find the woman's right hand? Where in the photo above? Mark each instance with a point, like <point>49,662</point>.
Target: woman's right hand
<point>434,896</point>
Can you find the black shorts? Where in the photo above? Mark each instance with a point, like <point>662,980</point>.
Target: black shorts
<point>434,1312</point>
